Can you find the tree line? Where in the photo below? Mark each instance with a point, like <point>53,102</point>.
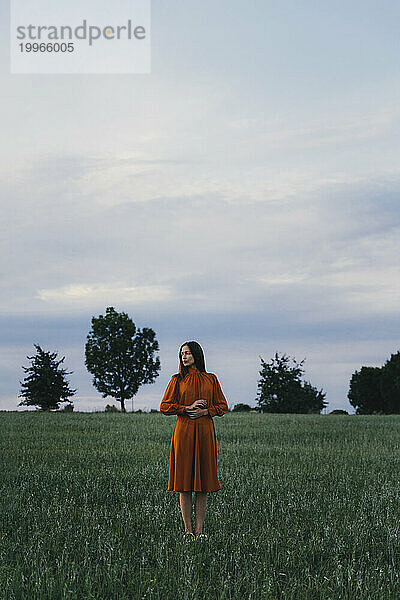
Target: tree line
<point>377,389</point>
<point>121,358</point>
<point>119,355</point>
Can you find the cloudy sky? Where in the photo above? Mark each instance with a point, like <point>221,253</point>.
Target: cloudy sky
<point>244,194</point>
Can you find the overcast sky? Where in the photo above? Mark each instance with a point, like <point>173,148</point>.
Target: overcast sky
<point>245,194</point>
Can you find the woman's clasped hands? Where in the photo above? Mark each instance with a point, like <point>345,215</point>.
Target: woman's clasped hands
<point>197,409</point>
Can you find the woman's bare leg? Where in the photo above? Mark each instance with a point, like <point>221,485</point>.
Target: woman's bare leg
<point>200,510</point>
<point>185,500</point>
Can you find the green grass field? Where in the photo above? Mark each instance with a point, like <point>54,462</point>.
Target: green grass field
<point>309,508</point>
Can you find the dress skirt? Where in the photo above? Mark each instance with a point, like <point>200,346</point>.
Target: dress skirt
<point>193,456</point>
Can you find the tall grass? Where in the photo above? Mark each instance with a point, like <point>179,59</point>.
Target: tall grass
<point>309,508</point>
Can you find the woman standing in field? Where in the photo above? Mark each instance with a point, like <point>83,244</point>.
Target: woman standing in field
<point>195,396</point>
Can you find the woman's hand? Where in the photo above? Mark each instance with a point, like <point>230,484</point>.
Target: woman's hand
<point>197,409</point>
<point>195,413</point>
<point>201,403</point>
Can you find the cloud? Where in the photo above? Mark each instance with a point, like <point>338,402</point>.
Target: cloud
<point>317,133</point>
<point>86,294</point>
<point>324,254</point>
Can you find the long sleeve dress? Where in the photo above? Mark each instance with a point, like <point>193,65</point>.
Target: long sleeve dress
<point>193,456</point>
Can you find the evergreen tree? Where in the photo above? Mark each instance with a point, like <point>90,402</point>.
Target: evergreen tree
<point>120,356</point>
<point>45,386</point>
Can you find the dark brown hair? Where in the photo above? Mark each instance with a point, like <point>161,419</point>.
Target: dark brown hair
<point>198,355</point>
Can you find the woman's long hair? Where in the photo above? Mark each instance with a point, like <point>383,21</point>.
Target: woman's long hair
<point>198,355</point>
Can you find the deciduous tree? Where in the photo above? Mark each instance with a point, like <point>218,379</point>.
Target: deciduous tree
<point>281,389</point>
<point>390,384</point>
<point>120,356</point>
<point>365,391</point>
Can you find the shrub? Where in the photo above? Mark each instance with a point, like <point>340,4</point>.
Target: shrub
<point>241,408</point>
<point>111,408</point>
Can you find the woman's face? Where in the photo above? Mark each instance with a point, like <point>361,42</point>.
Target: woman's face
<point>187,356</point>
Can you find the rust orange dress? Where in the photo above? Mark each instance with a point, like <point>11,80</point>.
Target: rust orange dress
<point>193,456</point>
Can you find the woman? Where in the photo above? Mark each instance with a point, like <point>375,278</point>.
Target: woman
<point>195,396</point>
